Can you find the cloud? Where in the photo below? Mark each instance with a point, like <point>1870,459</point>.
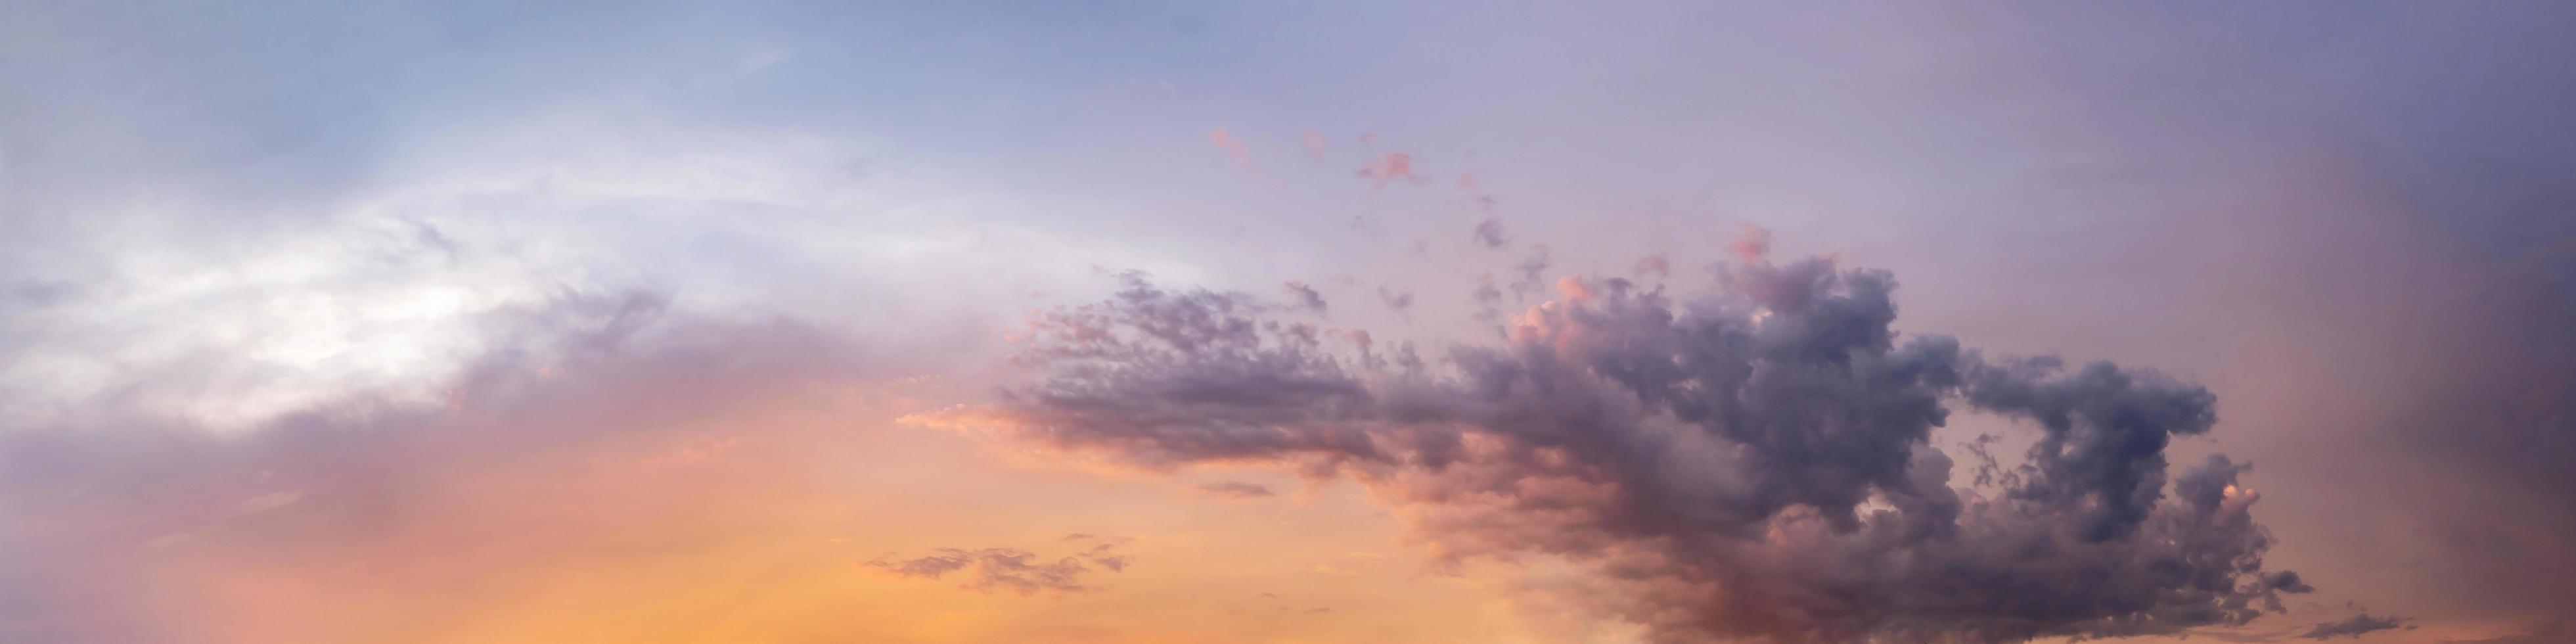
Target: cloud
<point>1008,569</point>
<point>110,513</point>
<point>1304,296</point>
<point>1655,265</point>
<point>1231,146</point>
<point>2356,626</point>
<point>1490,233</point>
<point>1533,274</point>
<point>1751,244</point>
<point>1487,298</point>
<point>1398,300</point>
<point>1394,166</point>
<point>1313,141</point>
<point>1233,490</point>
<point>1752,462</point>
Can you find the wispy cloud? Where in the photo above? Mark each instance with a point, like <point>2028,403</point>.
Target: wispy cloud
<point>1011,570</point>
<point>1233,490</point>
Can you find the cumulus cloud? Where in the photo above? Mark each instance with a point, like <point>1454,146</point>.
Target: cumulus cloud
<point>2355,626</point>
<point>1753,462</point>
<point>1009,569</point>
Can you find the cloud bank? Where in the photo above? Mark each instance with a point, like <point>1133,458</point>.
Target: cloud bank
<point>1754,462</point>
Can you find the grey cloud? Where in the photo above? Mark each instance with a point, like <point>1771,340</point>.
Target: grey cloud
<point>1655,265</point>
<point>1399,300</point>
<point>991,569</point>
<point>2355,627</point>
<point>1488,299</point>
<point>1490,233</point>
<point>2106,431</point>
<point>1234,490</point>
<point>1305,296</point>
<point>1751,463</point>
<point>1010,569</point>
<point>1532,269</point>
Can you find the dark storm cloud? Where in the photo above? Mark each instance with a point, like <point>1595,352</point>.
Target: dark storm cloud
<point>1749,463</point>
<point>2355,627</point>
<point>1010,569</point>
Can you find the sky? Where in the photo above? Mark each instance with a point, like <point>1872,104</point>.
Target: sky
<point>1618,322</point>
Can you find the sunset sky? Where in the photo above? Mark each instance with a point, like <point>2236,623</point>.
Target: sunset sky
<point>1475,322</point>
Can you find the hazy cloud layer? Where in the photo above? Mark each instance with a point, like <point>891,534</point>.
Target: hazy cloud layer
<point>2555,631</point>
<point>1753,462</point>
<point>108,516</point>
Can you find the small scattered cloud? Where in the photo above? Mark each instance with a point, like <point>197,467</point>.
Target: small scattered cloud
<point>1396,299</point>
<point>1751,244</point>
<point>1305,296</point>
<point>1395,166</point>
<point>1012,570</point>
<point>2356,626</point>
<point>1232,147</point>
<point>1233,490</point>
<point>1656,265</point>
<point>1490,233</point>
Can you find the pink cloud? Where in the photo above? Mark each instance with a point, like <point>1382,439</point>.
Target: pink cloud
<point>1752,244</point>
<point>1393,166</point>
<point>1233,147</point>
